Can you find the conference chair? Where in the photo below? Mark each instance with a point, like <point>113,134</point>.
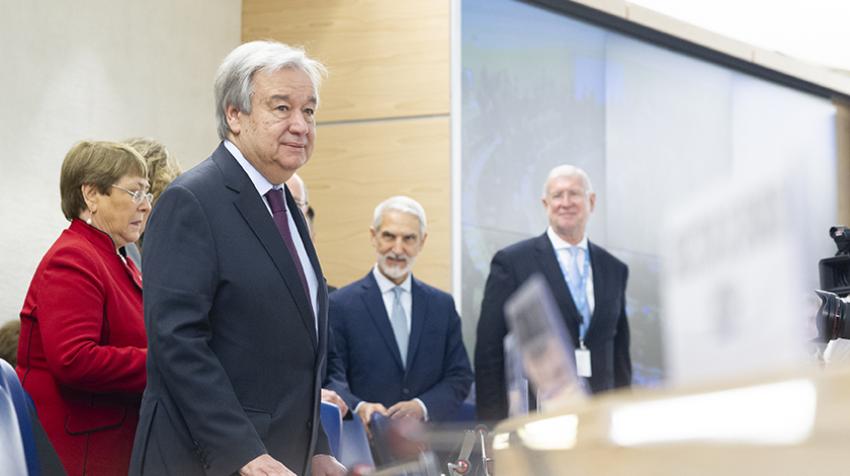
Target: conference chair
<point>332,422</point>
<point>382,439</point>
<point>15,456</point>
<point>354,445</point>
<point>465,413</point>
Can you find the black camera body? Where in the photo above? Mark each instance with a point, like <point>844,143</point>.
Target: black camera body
<point>834,312</point>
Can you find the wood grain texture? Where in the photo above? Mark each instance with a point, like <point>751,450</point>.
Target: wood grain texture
<point>356,166</point>
<point>386,58</point>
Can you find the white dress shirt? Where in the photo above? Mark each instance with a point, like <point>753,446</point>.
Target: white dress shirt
<point>263,186</point>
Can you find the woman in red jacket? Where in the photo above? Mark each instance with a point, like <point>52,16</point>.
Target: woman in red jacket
<point>82,346</point>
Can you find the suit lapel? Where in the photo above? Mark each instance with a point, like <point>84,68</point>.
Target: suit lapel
<point>545,255</point>
<point>600,276</point>
<point>378,312</point>
<point>419,309</point>
<point>249,204</point>
<point>313,256</point>
<point>304,233</point>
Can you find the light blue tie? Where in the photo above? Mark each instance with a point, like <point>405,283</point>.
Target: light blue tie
<point>577,283</point>
<point>399,322</point>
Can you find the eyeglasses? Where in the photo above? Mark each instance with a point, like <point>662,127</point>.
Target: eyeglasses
<point>138,195</point>
<point>570,195</point>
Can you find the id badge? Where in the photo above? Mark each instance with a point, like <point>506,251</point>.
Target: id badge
<point>583,362</point>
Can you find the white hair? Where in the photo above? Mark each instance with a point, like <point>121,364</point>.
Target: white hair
<point>568,171</point>
<point>234,81</point>
<point>402,204</point>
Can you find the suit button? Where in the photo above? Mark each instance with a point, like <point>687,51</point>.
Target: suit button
<point>310,424</point>
<point>405,391</point>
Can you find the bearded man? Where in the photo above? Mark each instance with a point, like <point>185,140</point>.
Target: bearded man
<point>398,345</point>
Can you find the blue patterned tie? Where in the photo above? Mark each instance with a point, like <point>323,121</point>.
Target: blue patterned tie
<point>578,288</point>
<point>399,323</point>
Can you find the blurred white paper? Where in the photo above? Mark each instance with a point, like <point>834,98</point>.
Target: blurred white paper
<point>515,377</point>
<point>837,352</point>
<point>733,280</point>
<point>546,350</point>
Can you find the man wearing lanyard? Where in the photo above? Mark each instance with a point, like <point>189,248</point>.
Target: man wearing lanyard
<point>588,283</point>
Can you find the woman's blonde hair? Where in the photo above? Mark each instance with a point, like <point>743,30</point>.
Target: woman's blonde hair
<point>162,168</point>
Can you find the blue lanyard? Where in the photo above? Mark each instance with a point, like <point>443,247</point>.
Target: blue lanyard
<point>582,291</point>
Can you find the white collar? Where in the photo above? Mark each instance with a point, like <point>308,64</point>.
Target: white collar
<point>261,183</point>
<point>384,283</point>
<point>559,243</point>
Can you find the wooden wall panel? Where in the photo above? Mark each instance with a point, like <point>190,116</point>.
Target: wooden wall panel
<point>387,58</point>
<point>357,165</point>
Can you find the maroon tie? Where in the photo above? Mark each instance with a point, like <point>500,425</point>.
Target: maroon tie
<point>275,199</point>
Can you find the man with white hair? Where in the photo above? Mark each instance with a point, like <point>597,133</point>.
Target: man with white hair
<point>235,299</point>
<point>588,283</point>
<point>398,339</point>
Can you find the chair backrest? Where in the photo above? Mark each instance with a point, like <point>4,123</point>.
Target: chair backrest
<point>382,437</point>
<point>13,460</point>
<point>465,413</point>
<point>355,449</point>
<point>332,422</point>
<point>20,403</point>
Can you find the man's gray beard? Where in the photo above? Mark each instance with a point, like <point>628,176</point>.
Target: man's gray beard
<point>394,272</point>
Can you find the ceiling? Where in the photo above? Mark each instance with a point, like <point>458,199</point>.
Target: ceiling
<point>815,31</point>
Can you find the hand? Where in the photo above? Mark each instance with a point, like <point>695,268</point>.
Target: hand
<point>406,409</point>
<point>325,465</point>
<point>332,397</point>
<point>265,465</point>
<point>365,411</point>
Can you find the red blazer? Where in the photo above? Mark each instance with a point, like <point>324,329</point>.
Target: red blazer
<point>82,350</point>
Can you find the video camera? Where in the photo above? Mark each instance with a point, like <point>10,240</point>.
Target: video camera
<point>831,318</point>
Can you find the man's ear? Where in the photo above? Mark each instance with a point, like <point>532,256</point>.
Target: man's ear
<point>232,116</point>
<point>592,199</point>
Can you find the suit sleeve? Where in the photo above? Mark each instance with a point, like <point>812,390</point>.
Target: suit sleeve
<point>622,357</point>
<point>491,397</point>
<point>444,398</point>
<point>337,379</point>
<point>180,284</point>
<point>71,310</point>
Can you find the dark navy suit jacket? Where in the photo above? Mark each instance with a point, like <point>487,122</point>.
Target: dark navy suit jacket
<point>234,361</point>
<point>607,337</point>
<point>367,365</point>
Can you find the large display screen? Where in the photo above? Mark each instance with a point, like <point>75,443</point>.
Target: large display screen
<point>651,126</point>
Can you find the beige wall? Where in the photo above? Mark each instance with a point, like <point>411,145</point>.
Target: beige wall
<point>96,69</point>
<point>383,120</point>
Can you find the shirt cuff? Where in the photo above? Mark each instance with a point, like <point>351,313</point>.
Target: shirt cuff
<point>424,409</point>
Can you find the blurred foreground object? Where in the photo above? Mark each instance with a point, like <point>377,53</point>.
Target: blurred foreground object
<point>794,424</point>
<point>543,344</point>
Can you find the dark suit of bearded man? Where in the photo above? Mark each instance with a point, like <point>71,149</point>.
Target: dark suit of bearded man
<point>398,344</point>
<point>435,369</point>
